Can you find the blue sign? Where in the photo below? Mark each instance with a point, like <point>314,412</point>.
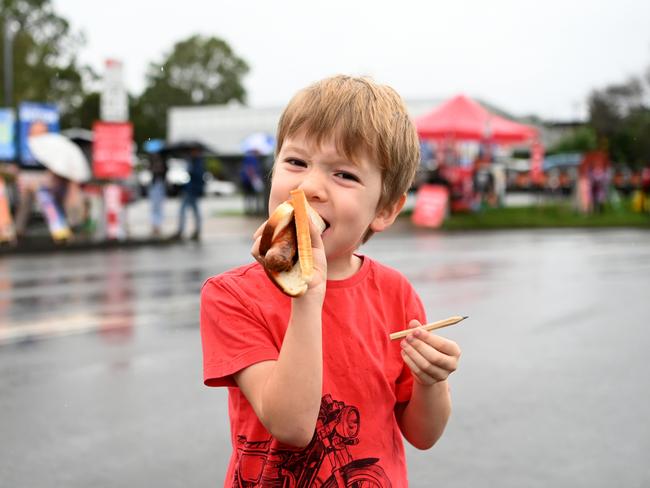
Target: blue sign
<point>35,118</point>
<point>7,143</point>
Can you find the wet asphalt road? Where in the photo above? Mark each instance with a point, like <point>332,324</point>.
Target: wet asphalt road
<point>100,360</point>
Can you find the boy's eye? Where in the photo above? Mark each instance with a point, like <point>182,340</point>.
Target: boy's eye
<point>347,176</point>
<point>296,162</point>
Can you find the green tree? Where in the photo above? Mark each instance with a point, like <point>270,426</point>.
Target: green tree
<point>581,140</point>
<point>199,70</point>
<point>620,116</point>
<point>87,112</point>
<point>45,66</point>
<point>630,144</point>
<point>609,106</point>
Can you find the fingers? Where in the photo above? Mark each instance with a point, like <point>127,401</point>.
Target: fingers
<point>257,238</point>
<point>259,230</point>
<point>425,373</point>
<point>314,234</point>
<point>431,358</point>
<point>255,250</point>
<point>443,345</point>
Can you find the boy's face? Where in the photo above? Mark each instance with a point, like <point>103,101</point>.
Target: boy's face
<point>344,193</point>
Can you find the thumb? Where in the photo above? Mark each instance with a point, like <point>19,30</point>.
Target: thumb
<point>414,323</point>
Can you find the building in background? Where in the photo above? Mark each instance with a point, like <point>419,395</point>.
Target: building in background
<point>224,127</point>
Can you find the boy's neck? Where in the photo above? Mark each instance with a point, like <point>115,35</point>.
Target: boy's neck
<point>343,268</point>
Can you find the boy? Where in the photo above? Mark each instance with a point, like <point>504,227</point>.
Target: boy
<point>318,394</point>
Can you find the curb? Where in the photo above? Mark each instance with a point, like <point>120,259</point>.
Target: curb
<point>47,246</point>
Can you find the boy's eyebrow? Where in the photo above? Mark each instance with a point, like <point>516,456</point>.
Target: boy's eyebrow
<point>296,149</point>
<point>340,158</point>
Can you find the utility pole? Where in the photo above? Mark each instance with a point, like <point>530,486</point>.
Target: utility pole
<point>8,71</point>
<point>8,62</point>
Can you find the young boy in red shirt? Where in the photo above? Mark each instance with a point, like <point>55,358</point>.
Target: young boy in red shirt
<point>318,394</point>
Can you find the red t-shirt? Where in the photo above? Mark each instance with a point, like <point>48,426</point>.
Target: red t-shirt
<point>243,321</point>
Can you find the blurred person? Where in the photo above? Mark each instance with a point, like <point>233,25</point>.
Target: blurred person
<point>621,182</point>
<point>67,197</point>
<point>437,176</point>
<point>75,206</point>
<point>645,188</point>
<point>192,192</point>
<point>25,205</point>
<point>599,182</point>
<point>553,183</point>
<point>157,189</point>
<point>7,227</point>
<point>566,182</point>
<point>593,179</point>
<point>483,182</point>
<point>29,183</point>
<point>317,391</point>
<point>252,183</point>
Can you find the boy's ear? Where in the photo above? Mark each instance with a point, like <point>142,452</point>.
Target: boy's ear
<point>387,215</point>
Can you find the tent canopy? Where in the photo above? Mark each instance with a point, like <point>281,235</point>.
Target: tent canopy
<point>462,118</point>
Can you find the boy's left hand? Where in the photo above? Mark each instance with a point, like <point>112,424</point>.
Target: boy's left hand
<point>430,357</point>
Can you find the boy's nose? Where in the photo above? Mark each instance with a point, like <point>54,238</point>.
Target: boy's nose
<point>313,186</point>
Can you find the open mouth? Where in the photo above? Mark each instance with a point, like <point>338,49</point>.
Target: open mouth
<point>327,225</point>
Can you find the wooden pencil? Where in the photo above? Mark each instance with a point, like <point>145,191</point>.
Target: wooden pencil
<point>432,326</point>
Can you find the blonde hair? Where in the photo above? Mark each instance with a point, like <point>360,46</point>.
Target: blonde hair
<point>364,118</point>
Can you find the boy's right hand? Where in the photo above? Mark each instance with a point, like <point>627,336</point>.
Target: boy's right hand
<point>319,278</point>
<point>318,282</point>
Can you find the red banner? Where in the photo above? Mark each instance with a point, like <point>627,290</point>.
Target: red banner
<point>431,206</point>
<point>112,149</point>
<point>536,162</point>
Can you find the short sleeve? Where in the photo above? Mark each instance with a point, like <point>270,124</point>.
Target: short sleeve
<point>413,309</point>
<point>233,333</point>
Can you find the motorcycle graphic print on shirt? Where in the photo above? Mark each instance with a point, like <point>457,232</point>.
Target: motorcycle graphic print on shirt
<point>326,462</point>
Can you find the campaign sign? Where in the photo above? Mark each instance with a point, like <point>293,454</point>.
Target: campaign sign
<point>114,99</point>
<point>34,119</point>
<point>7,146</point>
<point>112,150</point>
<point>430,206</point>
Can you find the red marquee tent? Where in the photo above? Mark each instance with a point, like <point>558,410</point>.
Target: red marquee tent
<point>462,118</point>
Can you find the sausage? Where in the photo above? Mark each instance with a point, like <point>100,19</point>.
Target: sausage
<point>282,254</point>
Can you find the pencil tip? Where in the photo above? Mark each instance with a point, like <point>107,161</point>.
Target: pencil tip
<point>465,317</point>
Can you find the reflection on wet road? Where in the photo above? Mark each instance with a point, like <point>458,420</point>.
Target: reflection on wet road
<point>100,361</point>
<point>41,296</point>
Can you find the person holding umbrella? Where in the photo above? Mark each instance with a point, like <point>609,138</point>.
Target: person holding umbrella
<point>66,168</point>
<point>192,192</point>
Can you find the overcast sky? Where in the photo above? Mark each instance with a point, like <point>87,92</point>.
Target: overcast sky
<point>527,57</point>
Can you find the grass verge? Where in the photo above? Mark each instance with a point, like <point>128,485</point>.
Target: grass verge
<point>545,216</point>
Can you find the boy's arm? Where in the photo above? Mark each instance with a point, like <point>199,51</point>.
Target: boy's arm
<point>431,359</point>
<point>286,393</point>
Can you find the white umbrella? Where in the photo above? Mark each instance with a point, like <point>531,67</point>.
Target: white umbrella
<point>258,141</point>
<point>60,155</point>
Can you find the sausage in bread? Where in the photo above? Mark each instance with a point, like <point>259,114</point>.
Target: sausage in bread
<point>286,244</point>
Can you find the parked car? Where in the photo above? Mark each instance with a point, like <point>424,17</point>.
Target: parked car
<point>178,176</point>
<point>215,187</point>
